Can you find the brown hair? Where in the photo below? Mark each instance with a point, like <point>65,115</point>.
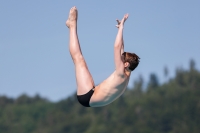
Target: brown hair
<point>132,59</point>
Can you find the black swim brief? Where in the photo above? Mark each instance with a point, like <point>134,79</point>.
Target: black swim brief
<point>85,99</point>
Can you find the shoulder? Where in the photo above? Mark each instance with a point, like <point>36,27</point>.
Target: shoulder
<point>120,74</point>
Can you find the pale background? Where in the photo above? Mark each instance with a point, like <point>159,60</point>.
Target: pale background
<point>34,56</point>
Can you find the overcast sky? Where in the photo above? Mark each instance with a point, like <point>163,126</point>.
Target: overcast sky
<point>34,55</point>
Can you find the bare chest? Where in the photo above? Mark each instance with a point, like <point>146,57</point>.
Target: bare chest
<point>114,84</point>
<point>110,89</point>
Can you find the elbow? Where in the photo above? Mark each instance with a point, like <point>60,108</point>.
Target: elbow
<point>117,46</point>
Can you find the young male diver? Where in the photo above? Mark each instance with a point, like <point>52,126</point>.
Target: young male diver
<point>114,86</point>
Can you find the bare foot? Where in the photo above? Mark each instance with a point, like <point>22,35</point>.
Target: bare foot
<point>72,19</point>
<point>121,23</point>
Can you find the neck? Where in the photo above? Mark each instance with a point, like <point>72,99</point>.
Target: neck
<point>127,72</point>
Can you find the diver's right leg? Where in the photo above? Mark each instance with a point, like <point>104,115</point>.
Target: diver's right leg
<point>83,77</point>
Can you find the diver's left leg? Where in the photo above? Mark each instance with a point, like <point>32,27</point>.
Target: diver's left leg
<point>83,77</point>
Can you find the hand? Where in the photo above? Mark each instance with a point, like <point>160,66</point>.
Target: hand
<point>120,23</point>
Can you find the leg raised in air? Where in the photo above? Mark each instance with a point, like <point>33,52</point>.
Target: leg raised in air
<point>83,77</point>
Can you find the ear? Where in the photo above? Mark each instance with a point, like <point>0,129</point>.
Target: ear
<point>126,64</point>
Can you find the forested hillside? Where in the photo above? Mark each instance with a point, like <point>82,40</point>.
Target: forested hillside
<point>172,107</point>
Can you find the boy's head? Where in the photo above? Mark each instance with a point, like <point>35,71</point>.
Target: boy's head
<point>131,60</point>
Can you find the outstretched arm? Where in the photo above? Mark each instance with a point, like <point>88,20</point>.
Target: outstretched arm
<point>122,48</point>
<point>119,46</point>
<point>118,25</point>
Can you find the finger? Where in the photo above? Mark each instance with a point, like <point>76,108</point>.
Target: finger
<point>127,15</point>
<point>117,21</point>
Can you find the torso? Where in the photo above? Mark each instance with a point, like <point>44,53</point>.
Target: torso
<point>110,89</point>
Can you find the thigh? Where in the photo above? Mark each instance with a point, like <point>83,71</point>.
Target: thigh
<point>83,78</point>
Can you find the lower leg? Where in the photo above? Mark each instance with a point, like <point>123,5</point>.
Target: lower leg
<point>74,45</point>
